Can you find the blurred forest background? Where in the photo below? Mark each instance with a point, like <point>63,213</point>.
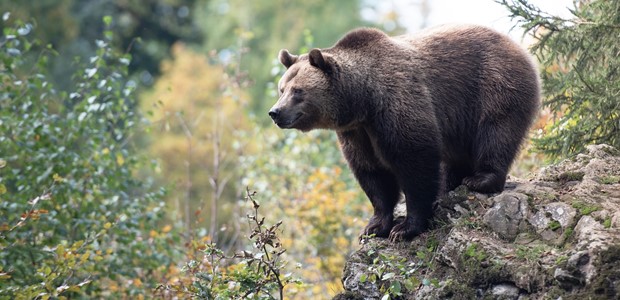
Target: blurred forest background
<point>134,133</point>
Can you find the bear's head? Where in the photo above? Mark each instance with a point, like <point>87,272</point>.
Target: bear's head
<point>306,99</point>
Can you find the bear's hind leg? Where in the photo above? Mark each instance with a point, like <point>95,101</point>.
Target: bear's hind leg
<point>486,182</point>
<point>496,147</point>
<point>453,175</point>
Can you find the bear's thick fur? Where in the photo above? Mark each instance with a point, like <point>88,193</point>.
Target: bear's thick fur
<point>415,113</point>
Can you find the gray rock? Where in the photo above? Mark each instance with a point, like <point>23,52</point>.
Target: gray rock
<point>505,291</point>
<point>353,282</point>
<point>506,215</point>
<point>552,217</point>
<point>569,280</point>
<point>602,151</point>
<point>567,223</point>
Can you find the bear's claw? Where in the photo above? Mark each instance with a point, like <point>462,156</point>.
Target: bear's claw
<point>407,230</point>
<point>485,183</point>
<point>378,226</point>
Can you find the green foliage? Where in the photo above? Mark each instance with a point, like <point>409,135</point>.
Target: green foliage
<point>396,274</point>
<point>581,78</point>
<point>607,222</point>
<point>530,253</point>
<point>145,28</point>
<point>473,251</point>
<point>554,225</point>
<point>392,274</point>
<point>248,274</point>
<point>611,179</point>
<point>568,233</point>
<point>427,254</point>
<point>73,220</point>
<point>571,176</point>
<point>584,208</point>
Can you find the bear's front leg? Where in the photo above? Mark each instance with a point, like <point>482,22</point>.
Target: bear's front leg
<point>382,189</point>
<point>415,161</point>
<point>379,184</point>
<point>420,177</point>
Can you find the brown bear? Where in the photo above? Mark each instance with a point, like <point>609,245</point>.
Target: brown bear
<point>415,113</point>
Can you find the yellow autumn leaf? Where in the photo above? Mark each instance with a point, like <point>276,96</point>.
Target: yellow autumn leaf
<point>105,151</point>
<point>77,245</point>
<point>85,256</point>
<point>73,288</point>
<point>60,250</point>
<point>166,229</point>
<point>137,282</point>
<point>120,160</point>
<point>107,225</point>
<point>57,178</point>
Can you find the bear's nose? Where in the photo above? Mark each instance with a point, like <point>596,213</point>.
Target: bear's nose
<point>274,112</point>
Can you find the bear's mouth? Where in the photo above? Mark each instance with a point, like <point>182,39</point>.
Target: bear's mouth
<point>289,123</point>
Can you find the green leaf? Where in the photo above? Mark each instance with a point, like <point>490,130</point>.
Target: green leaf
<point>426,282</point>
<point>409,284</point>
<point>395,287</point>
<point>388,276</point>
<point>107,20</point>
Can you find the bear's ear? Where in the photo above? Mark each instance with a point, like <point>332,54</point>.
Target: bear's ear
<point>286,58</point>
<point>318,60</point>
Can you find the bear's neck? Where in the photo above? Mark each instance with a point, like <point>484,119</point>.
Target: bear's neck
<point>365,89</point>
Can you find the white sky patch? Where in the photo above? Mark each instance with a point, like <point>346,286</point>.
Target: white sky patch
<point>482,12</point>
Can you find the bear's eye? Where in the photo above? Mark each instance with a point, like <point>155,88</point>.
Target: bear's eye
<point>297,95</point>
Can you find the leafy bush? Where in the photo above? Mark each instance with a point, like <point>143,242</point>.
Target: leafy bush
<point>256,273</point>
<point>73,219</point>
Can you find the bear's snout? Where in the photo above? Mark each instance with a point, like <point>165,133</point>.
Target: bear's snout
<point>274,113</point>
<point>285,118</point>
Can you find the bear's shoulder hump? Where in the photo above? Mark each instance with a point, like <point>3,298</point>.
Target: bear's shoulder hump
<point>359,38</point>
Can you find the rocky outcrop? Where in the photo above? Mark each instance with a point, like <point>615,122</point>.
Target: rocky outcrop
<point>556,236</point>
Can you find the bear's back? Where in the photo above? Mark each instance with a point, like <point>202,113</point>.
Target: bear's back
<point>461,63</point>
<point>474,74</point>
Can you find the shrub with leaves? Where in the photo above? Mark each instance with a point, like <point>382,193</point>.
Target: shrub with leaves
<point>73,220</point>
<point>257,273</point>
<point>581,76</point>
